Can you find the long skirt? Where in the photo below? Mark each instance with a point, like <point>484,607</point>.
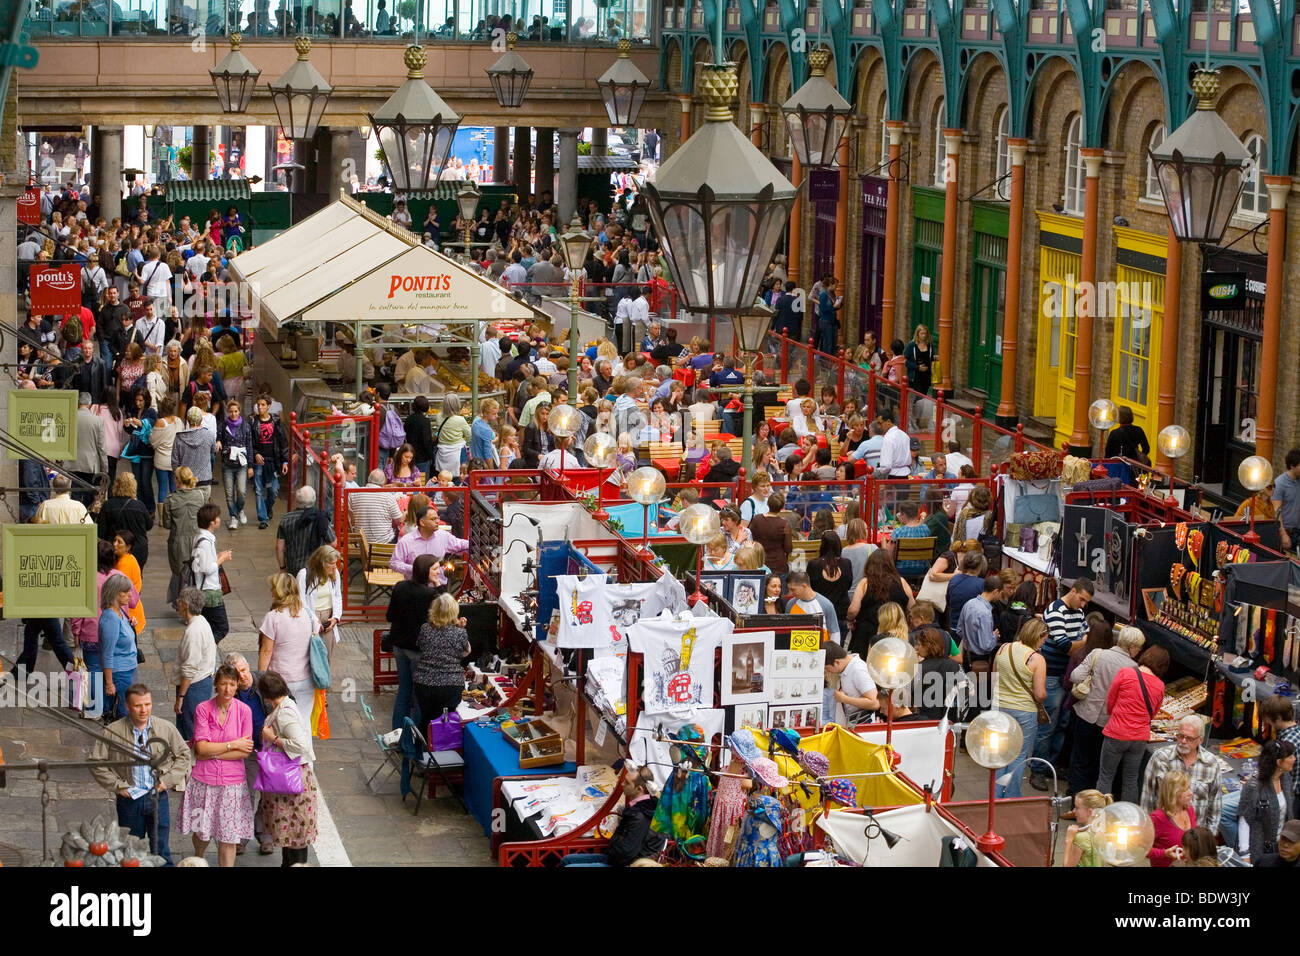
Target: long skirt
<point>289,819</point>
<point>217,812</point>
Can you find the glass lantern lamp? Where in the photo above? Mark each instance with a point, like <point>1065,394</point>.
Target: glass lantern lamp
<point>300,95</point>
<point>699,524</point>
<point>719,207</point>
<point>563,423</point>
<point>623,88</point>
<point>415,128</point>
<point>234,78</point>
<point>817,115</point>
<point>467,200</point>
<point>993,740</point>
<point>601,452</point>
<point>1123,834</point>
<point>1255,474</point>
<point>510,76</point>
<point>646,487</point>
<point>891,662</point>
<point>1173,442</point>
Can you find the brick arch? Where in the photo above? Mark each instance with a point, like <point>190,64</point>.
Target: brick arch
<point>1044,68</point>
<point>924,95</point>
<point>923,69</point>
<point>1054,102</point>
<point>974,75</point>
<point>777,90</point>
<point>671,80</point>
<point>870,100</point>
<point>738,53</point>
<point>1134,104</point>
<point>1240,103</point>
<point>986,95</point>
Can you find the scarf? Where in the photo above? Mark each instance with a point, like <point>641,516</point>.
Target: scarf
<point>174,374</point>
<point>683,812</point>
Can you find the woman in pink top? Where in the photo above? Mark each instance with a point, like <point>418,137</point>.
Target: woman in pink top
<point>1133,700</point>
<point>285,645</point>
<point>1172,818</point>
<point>217,803</point>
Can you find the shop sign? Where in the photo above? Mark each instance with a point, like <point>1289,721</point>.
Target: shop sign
<point>875,192</point>
<point>29,208</point>
<point>1222,290</point>
<point>49,570</point>
<point>824,185</point>
<point>56,290</point>
<point>45,421</point>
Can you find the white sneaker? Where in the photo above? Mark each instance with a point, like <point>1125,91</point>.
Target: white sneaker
<point>234,523</point>
<point>243,518</point>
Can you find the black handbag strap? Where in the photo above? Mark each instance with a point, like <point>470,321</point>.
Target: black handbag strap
<point>1142,686</point>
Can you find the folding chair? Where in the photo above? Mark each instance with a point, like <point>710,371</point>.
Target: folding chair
<point>424,762</point>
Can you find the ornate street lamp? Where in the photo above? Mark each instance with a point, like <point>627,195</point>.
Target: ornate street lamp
<point>623,88</point>
<point>817,115</point>
<point>892,664</point>
<point>467,200</point>
<point>510,76</point>
<point>993,740</point>
<point>415,128</point>
<point>646,486</point>
<point>699,524</point>
<point>1201,167</point>
<point>234,78</point>
<point>719,207</point>
<point>300,95</point>
<point>149,131</point>
<point>1255,474</point>
<point>574,245</point>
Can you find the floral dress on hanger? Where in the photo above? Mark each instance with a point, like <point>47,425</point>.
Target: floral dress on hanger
<point>760,833</point>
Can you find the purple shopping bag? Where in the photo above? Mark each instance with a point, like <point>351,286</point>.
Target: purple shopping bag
<point>446,733</point>
<point>277,773</point>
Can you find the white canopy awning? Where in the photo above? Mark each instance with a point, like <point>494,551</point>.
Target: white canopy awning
<point>348,264</point>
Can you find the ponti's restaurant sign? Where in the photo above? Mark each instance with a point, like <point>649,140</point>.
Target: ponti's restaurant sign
<point>29,207</point>
<point>56,290</point>
<point>44,420</point>
<point>49,570</point>
<point>434,283</point>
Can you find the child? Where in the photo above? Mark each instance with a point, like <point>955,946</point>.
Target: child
<point>626,459</point>
<point>509,445</point>
<point>1080,849</point>
<point>717,557</point>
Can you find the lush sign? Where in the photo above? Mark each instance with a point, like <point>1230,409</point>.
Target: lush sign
<point>49,570</point>
<point>45,420</point>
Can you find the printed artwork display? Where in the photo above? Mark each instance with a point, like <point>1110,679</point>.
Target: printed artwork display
<point>805,716</point>
<point>748,660</point>
<point>747,594</point>
<point>753,716</point>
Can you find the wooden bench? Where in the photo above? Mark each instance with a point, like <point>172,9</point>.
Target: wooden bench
<point>379,576</point>
<point>914,549</point>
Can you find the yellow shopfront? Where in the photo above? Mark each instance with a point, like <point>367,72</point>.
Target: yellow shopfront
<point>1060,244</point>
<point>1138,308</point>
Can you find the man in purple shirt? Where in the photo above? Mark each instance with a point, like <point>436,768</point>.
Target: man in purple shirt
<point>427,538</point>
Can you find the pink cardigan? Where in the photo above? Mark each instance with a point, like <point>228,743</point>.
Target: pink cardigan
<point>239,723</point>
<point>1168,834</point>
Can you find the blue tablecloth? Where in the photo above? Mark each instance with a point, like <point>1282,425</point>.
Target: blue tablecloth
<point>489,755</point>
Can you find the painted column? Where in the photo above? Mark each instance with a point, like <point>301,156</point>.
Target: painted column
<point>1168,388</point>
<point>546,160</point>
<point>501,154</point>
<point>202,146</point>
<point>684,99</point>
<point>1081,437</point>
<point>948,273</point>
<point>566,191</point>
<point>599,141</point>
<point>1279,188</point>
<point>757,116</point>
<point>842,224</point>
<point>523,177</point>
<point>108,171</point>
<point>1006,416</point>
<point>796,217</point>
<point>889,290</point>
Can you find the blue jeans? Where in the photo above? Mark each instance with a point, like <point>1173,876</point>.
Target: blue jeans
<point>266,486</point>
<point>235,478</point>
<point>143,471</point>
<point>94,705</point>
<point>116,704</point>
<point>34,628</point>
<point>1014,773</point>
<point>1051,735</point>
<point>198,692</point>
<point>585,859</point>
<point>166,483</point>
<point>406,704</point>
<point>138,818</point>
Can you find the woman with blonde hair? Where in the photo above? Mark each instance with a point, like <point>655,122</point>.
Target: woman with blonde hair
<point>123,511</point>
<point>1173,816</point>
<point>1080,848</point>
<point>750,557</point>
<point>717,557</point>
<point>231,363</point>
<point>154,379</point>
<point>321,591</point>
<point>919,357</point>
<point>1019,689</point>
<point>892,622</point>
<point>975,517</point>
<point>414,508</point>
<point>439,675</point>
<point>284,644</point>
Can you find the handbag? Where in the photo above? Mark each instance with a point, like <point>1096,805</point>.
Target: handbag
<point>320,663</point>
<point>1081,689</point>
<point>277,772</point>
<point>1043,716</point>
<point>935,592</point>
<point>1032,509</point>
<point>1028,540</point>
<point>446,733</point>
<point>225,581</point>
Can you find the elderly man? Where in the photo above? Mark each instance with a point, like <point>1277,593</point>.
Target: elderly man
<point>376,513</point>
<point>136,786</point>
<point>61,508</point>
<point>1090,712</point>
<point>302,531</point>
<point>1187,754</point>
<point>427,538</point>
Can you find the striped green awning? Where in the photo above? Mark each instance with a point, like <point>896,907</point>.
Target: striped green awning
<point>443,192</point>
<point>207,190</point>
<point>606,164</point>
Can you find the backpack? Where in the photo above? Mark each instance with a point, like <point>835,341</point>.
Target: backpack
<point>392,434</point>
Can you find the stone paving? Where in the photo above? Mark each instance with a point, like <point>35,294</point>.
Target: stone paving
<point>373,824</point>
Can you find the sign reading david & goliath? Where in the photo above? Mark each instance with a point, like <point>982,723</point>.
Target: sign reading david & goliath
<point>50,570</point>
<point>45,421</point>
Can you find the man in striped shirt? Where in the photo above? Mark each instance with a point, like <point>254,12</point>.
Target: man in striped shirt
<point>1066,632</point>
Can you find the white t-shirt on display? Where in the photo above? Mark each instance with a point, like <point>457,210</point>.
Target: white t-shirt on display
<point>585,620</point>
<point>678,660</point>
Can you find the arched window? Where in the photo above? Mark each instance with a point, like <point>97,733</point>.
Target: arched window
<point>1004,154</point>
<point>940,151</point>
<point>884,141</point>
<point>1152,190</point>
<point>1254,195</point>
<point>1075,171</point>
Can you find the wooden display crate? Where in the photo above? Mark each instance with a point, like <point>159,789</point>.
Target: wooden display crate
<point>541,753</point>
